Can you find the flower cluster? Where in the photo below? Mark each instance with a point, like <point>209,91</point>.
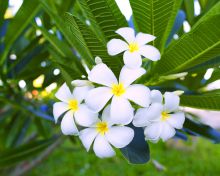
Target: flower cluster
<point>120,100</point>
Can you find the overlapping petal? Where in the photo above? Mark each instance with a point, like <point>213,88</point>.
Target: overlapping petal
<point>142,38</point>
<point>171,102</point>
<point>68,125</point>
<point>127,33</point>
<point>116,46</point>
<point>102,148</point>
<point>176,120</point>
<point>121,111</point>
<point>128,76</point>
<point>132,59</point>
<point>97,98</point>
<point>167,131</point>
<point>64,93</point>
<point>153,131</point>
<point>120,136</point>
<point>103,75</point>
<point>156,96</point>
<point>58,109</point>
<point>150,52</point>
<point>139,94</point>
<point>87,137</point>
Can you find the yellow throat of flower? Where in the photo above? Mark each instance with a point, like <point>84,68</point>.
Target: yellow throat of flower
<point>164,116</point>
<point>102,127</point>
<point>73,105</point>
<point>133,47</point>
<point>118,89</point>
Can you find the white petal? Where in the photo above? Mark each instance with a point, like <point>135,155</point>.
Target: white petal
<point>120,136</point>
<point>150,52</point>
<point>132,60</point>
<point>68,125</point>
<point>116,46</point>
<point>167,131</point>
<point>121,111</point>
<point>87,136</point>
<point>145,116</point>
<point>102,148</point>
<point>139,94</point>
<point>128,76</point>
<point>84,116</point>
<point>142,38</point>
<point>101,74</point>
<point>106,115</point>
<point>58,109</point>
<point>156,96</point>
<point>171,102</point>
<point>176,120</point>
<point>153,131</point>
<point>80,92</point>
<point>97,98</point>
<point>127,33</point>
<point>64,93</point>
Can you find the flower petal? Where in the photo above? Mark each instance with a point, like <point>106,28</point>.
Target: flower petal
<point>145,116</point>
<point>87,136</point>
<point>142,38</point>
<point>116,46</point>
<point>97,98</point>
<point>139,94</point>
<point>68,125</point>
<point>150,52</point>
<point>80,92</point>
<point>102,148</point>
<point>120,136</point>
<point>156,96</point>
<point>84,116</point>
<point>127,33</point>
<point>106,116</point>
<point>167,131</point>
<point>171,102</point>
<point>121,111</point>
<point>58,109</point>
<point>153,131</point>
<point>132,60</point>
<point>64,93</point>
<point>176,120</point>
<point>128,76</point>
<point>101,74</point>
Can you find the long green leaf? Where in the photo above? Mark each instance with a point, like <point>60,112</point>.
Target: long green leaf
<point>155,17</point>
<point>210,101</point>
<point>17,25</point>
<point>201,44</point>
<point>12,156</point>
<point>3,7</point>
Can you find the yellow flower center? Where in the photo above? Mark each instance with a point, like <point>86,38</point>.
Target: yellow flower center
<point>102,127</point>
<point>133,47</point>
<point>164,116</point>
<point>73,105</point>
<point>118,89</point>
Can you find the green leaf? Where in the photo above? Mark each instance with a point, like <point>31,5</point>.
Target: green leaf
<point>15,155</point>
<point>83,35</point>
<point>17,25</point>
<point>189,7</point>
<point>198,129</point>
<point>198,46</point>
<point>155,17</point>
<point>104,16</point>
<point>3,8</point>
<point>209,101</point>
<point>137,152</point>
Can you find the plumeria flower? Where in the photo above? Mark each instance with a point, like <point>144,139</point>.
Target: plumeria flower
<point>133,47</point>
<point>160,119</point>
<point>104,133</point>
<point>75,111</point>
<point>120,92</point>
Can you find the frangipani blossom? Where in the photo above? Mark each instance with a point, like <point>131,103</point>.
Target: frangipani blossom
<point>120,91</point>
<point>160,119</point>
<point>133,48</point>
<point>104,134</point>
<point>75,111</point>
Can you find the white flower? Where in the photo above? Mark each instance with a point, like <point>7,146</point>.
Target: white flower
<point>120,91</point>
<point>134,47</point>
<point>104,134</point>
<point>75,111</point>
<point>160,120</point>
